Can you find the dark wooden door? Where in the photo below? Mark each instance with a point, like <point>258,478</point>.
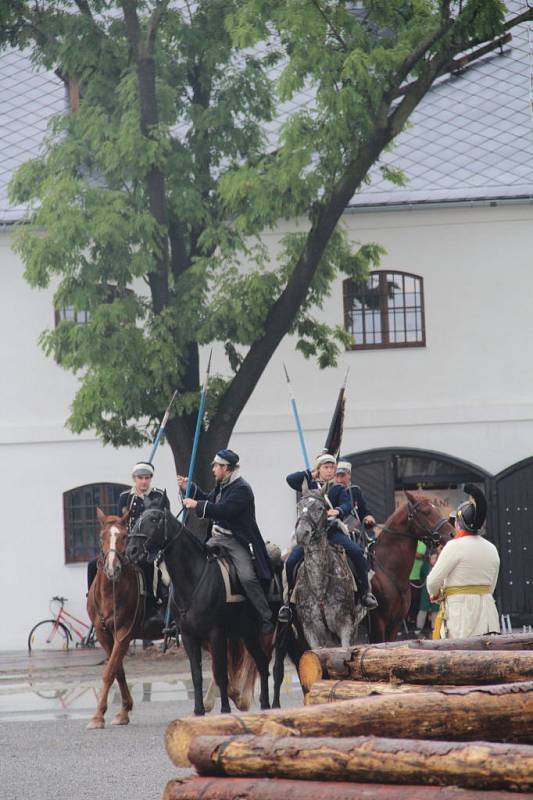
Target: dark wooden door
<point>512,532</point>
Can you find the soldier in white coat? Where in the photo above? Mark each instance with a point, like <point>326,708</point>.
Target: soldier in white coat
<point>464,577</point>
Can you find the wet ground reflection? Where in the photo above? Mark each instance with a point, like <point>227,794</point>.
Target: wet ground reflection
<point>34,701</point>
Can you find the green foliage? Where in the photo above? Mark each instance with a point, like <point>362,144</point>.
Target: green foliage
<point>158,284</point>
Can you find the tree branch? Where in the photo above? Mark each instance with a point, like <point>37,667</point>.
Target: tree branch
<point>329,23</point>
<point>284,310</point>
<point>457,64</point>
<point>153,26</point>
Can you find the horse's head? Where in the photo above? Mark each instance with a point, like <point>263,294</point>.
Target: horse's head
<point>113,534</point>
<point>425,520</point>
<point>311,516</point>
<point>149,535</point>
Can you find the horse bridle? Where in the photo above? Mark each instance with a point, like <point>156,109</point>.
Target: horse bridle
<point>167,543</point>
<point>122,559</point>
<point>431,535</point>
<point>325,502</point>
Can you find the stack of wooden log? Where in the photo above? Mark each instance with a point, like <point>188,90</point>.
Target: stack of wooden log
<point>421,720</point>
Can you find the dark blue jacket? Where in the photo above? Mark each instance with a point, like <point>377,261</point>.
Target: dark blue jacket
<point>128,500</point>
<point>233,507</point>
<point>359,503</point>
<point>339,497</point>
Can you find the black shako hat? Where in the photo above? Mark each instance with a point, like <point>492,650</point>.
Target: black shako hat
<point>472,513</point>
<point>226,456</point>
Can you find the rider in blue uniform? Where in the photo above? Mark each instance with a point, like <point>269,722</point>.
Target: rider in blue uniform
<point>341,506</point>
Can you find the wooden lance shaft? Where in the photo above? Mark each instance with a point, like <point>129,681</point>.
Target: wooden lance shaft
<point>492,713</point>
<point>282,789</point>
<point>474,765</point>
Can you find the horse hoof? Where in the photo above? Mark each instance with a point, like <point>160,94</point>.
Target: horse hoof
<point>199,713</point>
<point>266,706</point>
<point>276,705</point>
<point>225,710</point>
<point>121,721</point>
<point>95,724</point>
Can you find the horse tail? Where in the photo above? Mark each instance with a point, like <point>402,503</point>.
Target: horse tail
<point>242,675</point>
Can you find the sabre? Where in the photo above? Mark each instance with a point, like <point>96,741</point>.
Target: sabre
<point>297,420</point>
<point>161,430</point>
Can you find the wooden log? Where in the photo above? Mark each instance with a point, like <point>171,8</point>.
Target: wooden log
<point>472,765</point>
<point>491,641</point>
<point>410,666</point>
<point>282,789</point>
<point>492,713</point>
<point>333,691</point>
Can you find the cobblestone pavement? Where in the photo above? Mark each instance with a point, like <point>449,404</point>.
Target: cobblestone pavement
<point>45,703</point>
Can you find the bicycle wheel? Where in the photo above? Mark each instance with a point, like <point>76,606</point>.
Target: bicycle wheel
<point>49,635</point>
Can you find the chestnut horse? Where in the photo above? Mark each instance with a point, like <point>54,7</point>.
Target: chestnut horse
<point>393,559</point>
<point>116,608</point>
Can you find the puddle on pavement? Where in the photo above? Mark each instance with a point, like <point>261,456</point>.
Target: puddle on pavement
<point>27,702</point>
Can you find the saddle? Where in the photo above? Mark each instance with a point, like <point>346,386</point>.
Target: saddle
<point>217,552</point>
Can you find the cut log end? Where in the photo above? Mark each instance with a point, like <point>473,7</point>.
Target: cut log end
<point>310,670</point>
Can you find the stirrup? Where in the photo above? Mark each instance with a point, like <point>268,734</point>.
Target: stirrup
<point>285,613</point>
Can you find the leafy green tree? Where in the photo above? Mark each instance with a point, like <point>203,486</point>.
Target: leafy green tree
<point>150,200</point>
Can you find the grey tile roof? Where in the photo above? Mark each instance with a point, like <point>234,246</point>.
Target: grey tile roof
<point>470,138</point>
<point>28,98</point>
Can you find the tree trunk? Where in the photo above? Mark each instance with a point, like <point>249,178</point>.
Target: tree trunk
<point>514,641</point>
<point>494,713</point>
<point>333,691</point>
<point>409,666</point>
<point>282,789</point>
<point>474,765</point>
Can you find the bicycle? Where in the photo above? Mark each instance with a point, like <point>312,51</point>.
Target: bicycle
<point>58,633</point>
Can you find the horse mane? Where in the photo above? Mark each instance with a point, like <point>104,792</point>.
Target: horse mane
<point>200,546</point>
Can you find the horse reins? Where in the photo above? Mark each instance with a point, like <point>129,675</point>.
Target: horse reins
<point>430,534</point>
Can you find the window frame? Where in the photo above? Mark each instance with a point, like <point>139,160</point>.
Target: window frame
<point>70,556</point>
<point>348,295</point>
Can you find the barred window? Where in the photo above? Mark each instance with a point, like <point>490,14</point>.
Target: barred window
<point>70,314</point>
<point>79,513</point>
<point>386,310</point>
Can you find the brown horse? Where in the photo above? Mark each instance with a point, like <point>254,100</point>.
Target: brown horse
<point>116,608</point>
<point>394,555</point>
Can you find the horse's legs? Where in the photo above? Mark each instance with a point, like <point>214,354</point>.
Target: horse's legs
<point>122,717</point>
<point>219,652</point>
<point>377,629</point>
<point>115,654</point>
<point>106,640</point>
<point>283,634</point>
<point>193,648</point>
<point>253,645</point>
<point>210,695</point>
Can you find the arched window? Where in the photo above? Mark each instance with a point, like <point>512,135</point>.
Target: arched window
<point>79,513</point>
<point>386,310</point>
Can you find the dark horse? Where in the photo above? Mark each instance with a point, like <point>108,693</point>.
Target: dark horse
<point>115,606</point>
<point>199,601</point>
<point>394,555</point>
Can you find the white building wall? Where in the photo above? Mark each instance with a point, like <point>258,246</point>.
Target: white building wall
<point>468,393</point>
